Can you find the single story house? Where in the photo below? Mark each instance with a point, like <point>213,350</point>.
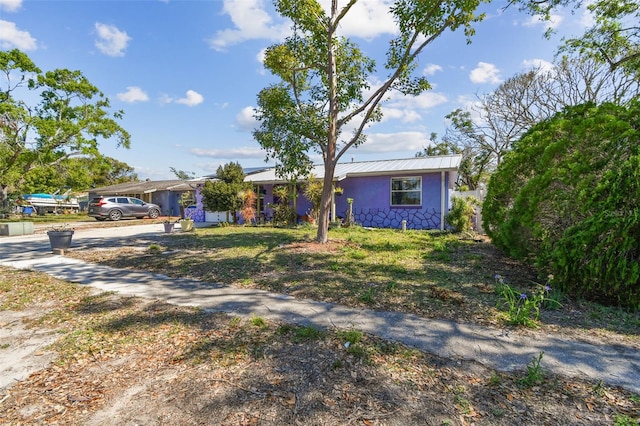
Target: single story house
<point>165,193</point>
<point>385,193</point>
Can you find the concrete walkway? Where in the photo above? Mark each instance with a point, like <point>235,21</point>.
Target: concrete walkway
<point>614,365</point>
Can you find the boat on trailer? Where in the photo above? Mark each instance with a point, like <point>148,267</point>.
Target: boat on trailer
<point>51,203</point>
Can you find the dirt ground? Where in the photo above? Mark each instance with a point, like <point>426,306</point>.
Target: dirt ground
<point>129,361</point>
<point>103,359</point>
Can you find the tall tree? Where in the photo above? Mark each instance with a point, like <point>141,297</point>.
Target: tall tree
<point>614,37</point>
<point>224,193</point>
<point>70,117</point>
<point>109,171</point>
<point>486,131</point>
<point>78,174</point>
<point>325,81</point>
<point>436,148</point>
<point>471,170</point>
<point>230,173</point>
<point>181,174</point>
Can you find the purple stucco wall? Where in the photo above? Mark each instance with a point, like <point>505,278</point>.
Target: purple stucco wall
<point>372,203</point>
<point>198,213</point>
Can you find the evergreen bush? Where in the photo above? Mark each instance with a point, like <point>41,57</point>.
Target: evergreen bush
<point>567,200</point>
<point>460,217</point>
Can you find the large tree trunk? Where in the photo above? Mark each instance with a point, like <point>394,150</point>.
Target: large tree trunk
<point>325,204</point>
<point>4,197</point>
<point>330,152</point>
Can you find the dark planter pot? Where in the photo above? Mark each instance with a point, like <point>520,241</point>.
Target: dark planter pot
<point>168,227</point>
<point>60,240</point>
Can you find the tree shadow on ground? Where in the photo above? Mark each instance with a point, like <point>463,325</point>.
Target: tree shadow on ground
<point>455,282</point>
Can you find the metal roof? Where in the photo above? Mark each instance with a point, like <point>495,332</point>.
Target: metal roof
<point>247,171</point>
<point>268,175</point>
<point>146,187</point>
<point>372,168</point>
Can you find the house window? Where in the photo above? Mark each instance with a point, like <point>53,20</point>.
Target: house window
<point>406,191</point>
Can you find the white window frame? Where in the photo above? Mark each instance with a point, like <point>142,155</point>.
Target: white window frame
<point>392,191</point>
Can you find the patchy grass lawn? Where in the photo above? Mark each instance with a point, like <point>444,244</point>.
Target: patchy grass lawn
<point>431,274</point>
<point>124,360</point>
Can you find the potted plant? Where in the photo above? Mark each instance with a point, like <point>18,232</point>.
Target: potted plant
<point>187,198</point>
<point>186,225</point>
<point>168,225</point>
<point>60,237</point>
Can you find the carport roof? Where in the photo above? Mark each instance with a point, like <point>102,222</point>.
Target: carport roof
<point>146,187</point>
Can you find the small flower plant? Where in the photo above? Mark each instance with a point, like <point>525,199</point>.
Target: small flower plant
<point>169,219</point>
<point>521,308</point>
<point>60,227</point>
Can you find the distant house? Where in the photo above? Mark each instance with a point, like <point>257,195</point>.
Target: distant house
<point>385,193</point>
<point>165,193</point>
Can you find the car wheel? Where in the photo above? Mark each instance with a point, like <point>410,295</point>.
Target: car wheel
<point>154,213</point>
<point>115,215</point>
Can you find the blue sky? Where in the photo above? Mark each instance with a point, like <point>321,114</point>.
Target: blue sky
<point>186,73</point>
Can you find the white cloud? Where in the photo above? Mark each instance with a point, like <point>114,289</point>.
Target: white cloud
<point>471,105</point>
<point>406,109</point>
<point>11,36</point>
<point>484,73</point>
<point>431,69</point>
<point>533,21</point>
<point>587,18</point>
<point>10,5</point>
<point>111,41</point>
<point>554,21</point>
<point>192,98</point>
<point>411,117</point>
<point>366,19</point>
<point>393,142</point>
<point>260,58</point>
<point>165,99</point>
<point>261,55</point>
<point>424,100</point>
<point>467,101</point>
<point>229,154</point>
<point>396,100</point>
<point>404,115</point>
<point>245,119</point>
<point>541,64</point>
<point>251,21</point>
<point>133,94</point>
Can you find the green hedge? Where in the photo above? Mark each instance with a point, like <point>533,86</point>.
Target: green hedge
<point>567,200</point>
